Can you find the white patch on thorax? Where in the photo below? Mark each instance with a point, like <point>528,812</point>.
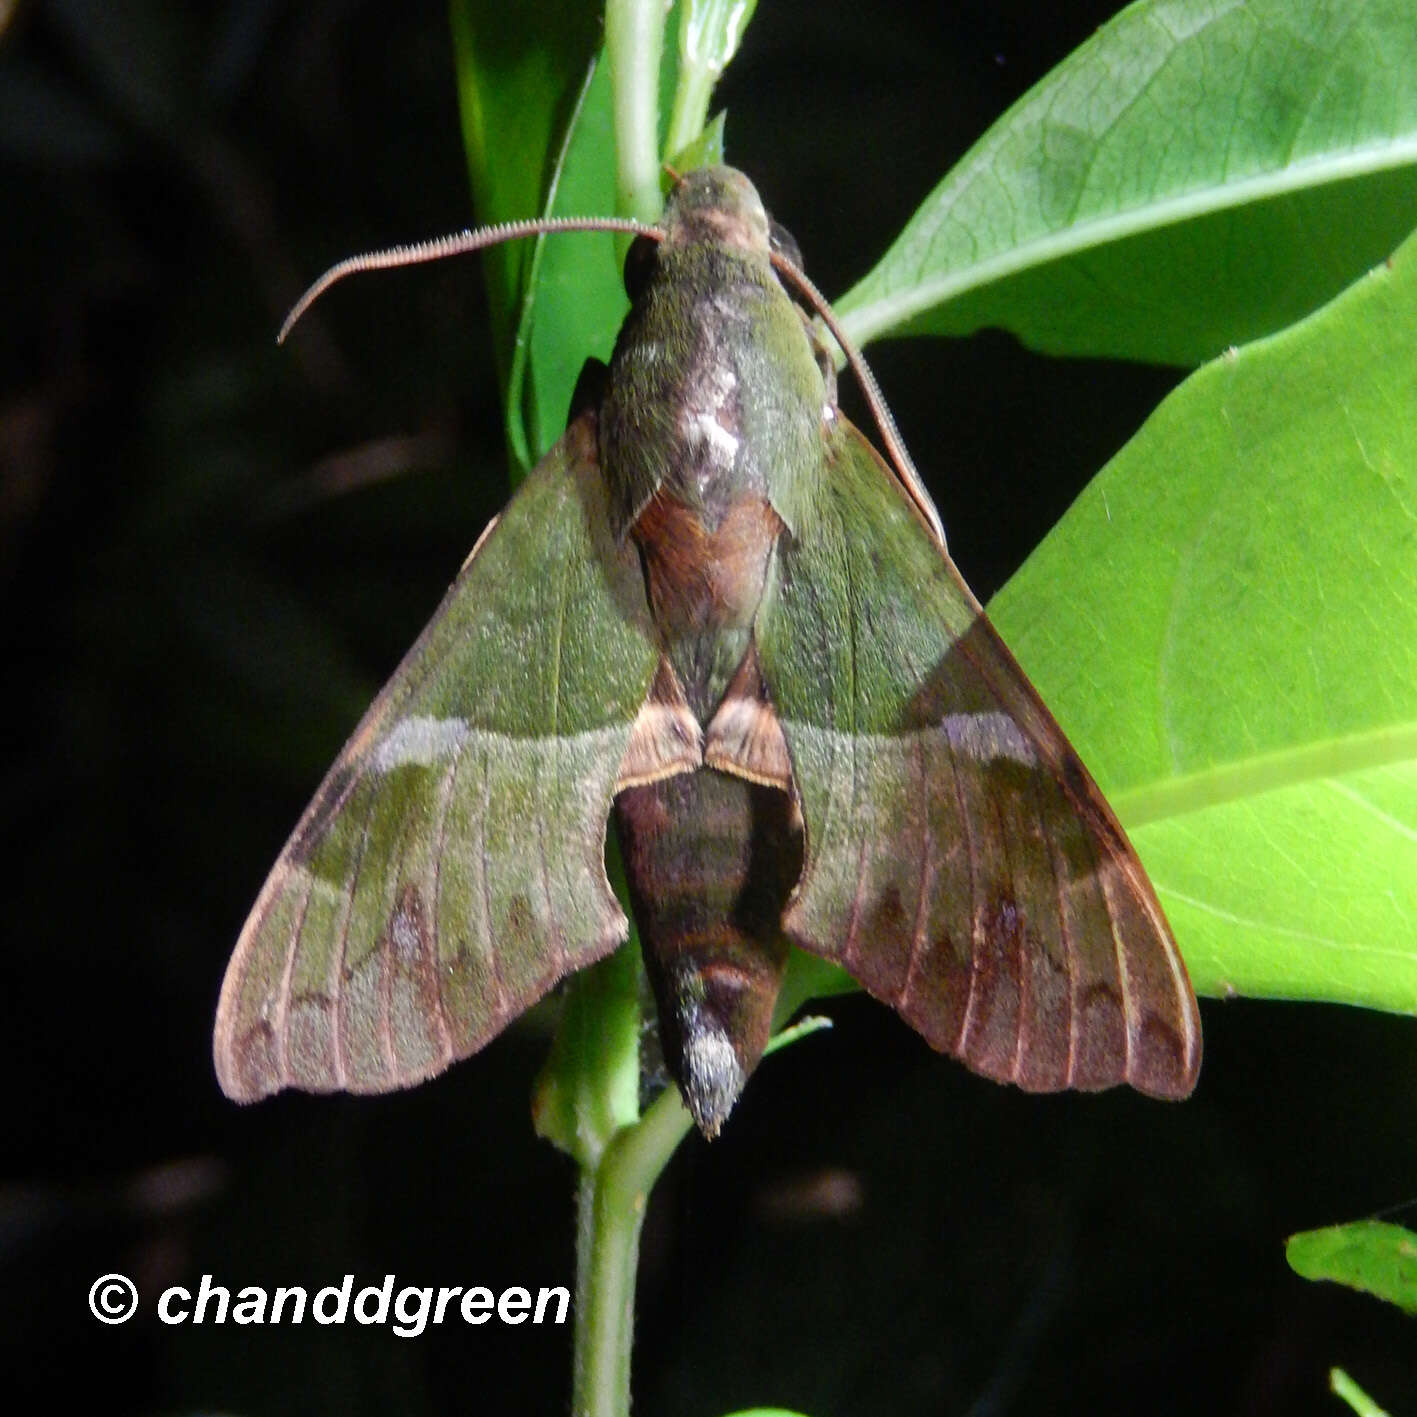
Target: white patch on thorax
<point>712,405</point>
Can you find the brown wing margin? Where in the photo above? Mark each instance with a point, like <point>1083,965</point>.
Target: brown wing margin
<point>961,863</point>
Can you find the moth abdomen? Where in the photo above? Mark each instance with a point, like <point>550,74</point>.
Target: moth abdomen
<point>710,861</point>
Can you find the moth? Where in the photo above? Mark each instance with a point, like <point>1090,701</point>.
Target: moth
<point>715,621</point>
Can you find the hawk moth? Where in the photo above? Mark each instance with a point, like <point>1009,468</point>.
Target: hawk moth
<point>713,619</point>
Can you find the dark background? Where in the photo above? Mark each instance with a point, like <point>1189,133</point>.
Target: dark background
<point>212,551</point>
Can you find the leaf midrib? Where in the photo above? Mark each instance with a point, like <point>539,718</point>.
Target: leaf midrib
<point>886,313</point>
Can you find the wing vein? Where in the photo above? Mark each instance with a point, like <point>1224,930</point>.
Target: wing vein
<point>922,908</point>
<point>501,985</point>
<point>555,752</point>
<point>975,917</point>
<point>849,949</point>
<point>287,974</point>
<point>853,706</point>
<point>385,956</point>
<point>1070,953</point>
<point>1128,1014</point>
<point>551,929</point>
<point>1181,989</point>
<point>337,964</point>
<point>444,1027</point>
<point>1027,1016</point>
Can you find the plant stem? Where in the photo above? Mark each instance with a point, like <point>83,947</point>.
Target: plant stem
<point>612,1200</point>
<point>634,42</point>
<point>614,1192</point>
<point>1343,1386</point>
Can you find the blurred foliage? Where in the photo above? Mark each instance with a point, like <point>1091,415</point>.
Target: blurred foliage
<point>212,552</point>
<point>1370,1255</point>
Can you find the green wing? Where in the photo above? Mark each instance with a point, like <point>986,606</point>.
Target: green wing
<point>451,867</point>
<point>960,862</point>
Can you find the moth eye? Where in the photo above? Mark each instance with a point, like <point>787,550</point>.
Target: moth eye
<point>784,243</point>
<point>640,262</point>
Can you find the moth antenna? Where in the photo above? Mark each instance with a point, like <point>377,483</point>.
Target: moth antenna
<point>903,466</point>
<point>458,244</point>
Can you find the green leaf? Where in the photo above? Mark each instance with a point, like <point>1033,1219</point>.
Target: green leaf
<point>575,299</point>
<point>703,151</point>
<point>1369,1255</point>
<point>1197,174</point>
<point>520,71</point>
<point>1225,624</point>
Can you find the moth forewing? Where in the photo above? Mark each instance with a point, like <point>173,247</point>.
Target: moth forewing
<point>960,862</point>
<point>450,868</point>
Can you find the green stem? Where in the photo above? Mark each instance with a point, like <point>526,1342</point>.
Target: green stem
<point>1343,1386</point>
<point>613,1195</point>
<point>634,42</point>
<point>614,1192</point>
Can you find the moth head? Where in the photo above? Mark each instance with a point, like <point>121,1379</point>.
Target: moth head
<point>719,205</point>
<point>783,243</point>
